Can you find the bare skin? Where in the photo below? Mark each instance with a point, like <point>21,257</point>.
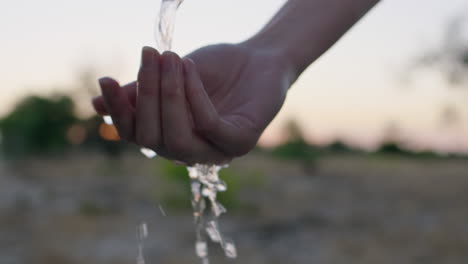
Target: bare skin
<point>213,105</point>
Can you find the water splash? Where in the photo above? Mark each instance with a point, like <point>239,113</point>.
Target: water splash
<point>205,185</point>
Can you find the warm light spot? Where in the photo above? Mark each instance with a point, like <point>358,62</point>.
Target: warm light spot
<point>76,134</point>
<point>108,132</point>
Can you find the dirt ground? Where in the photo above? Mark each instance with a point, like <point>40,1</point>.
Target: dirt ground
<point>84,208</point>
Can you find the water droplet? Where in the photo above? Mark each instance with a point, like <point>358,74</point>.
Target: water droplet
<point>221,186</point>
<point>149,153</point>
<point>108,120</point>
<point>207,192</point>
<point>213,232</point>
<point>162,210</point>
<point>142,231</point>
<point>218,209</point>
<point>201,248</point>
<point>230,249</point>
<point>193,172</point>
<point>142,234</point>
<point>195,186</point>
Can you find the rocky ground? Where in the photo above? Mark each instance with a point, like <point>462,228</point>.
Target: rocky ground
<point>84,208</point>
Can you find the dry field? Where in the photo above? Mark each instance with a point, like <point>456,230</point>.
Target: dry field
<point>84,208</point>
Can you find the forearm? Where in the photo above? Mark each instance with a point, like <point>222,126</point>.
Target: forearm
<point>304,29</point>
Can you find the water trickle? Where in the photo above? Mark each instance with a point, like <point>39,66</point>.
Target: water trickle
<point>165,24</point>
<point>142,234</point>
<point>230,249</point>
<point>201,248</point>
<point>161,209</point>
<point>164,30</point>
<point>205,187</point>
<point>205,182</point>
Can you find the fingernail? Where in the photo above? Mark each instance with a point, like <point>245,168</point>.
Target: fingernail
<point>104,81</point>
<point>147,57</point>
<point>191,61</point>
<point>189,66</point>
<point>106,84</point>
<point>170,62</point>
<point>174,62</point>
<point>97,106</point>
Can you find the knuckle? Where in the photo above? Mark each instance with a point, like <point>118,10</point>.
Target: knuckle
<point>171,87</point>
<point>146,81</point>
<point>172,92</point>
<point>145,89</point>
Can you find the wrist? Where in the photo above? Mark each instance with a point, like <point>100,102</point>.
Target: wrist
<point>262,46</point>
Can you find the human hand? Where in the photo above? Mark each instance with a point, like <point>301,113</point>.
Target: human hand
<point>210,107</point>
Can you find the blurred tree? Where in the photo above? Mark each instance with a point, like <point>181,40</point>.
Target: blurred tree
<point>40,125</point>
<point>452,56</point>
<point>37,125</point>
<point>339,147</point>
<point>450,116</point>
<point>296,147</point>
<point>392,140</point>
<point>392,132</point>
<point>86,88</point>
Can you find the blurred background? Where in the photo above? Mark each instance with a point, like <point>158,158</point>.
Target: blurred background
<point>366,163</point>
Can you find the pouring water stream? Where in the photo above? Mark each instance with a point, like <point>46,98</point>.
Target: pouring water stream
<point>205,182</point>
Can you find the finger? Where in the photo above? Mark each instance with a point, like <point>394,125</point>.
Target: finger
<point>180,142</point>
<point>119,107</point>
<point>176,127</point>
<point>148,118</point>
<point>235,136</point>
<point>100,106</point>
<point>179,139</point>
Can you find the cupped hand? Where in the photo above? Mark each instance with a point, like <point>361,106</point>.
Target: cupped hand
<point>207,108</point>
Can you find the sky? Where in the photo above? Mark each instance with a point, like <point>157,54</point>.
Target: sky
<point>353,93</point>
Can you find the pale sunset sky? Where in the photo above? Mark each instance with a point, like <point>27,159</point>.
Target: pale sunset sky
<point>352,93</point>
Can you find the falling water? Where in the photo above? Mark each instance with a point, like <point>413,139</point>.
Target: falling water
<point>165,24</point>
<point>142,234</point>
<point>205,181</point>
<point>205,185</point>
